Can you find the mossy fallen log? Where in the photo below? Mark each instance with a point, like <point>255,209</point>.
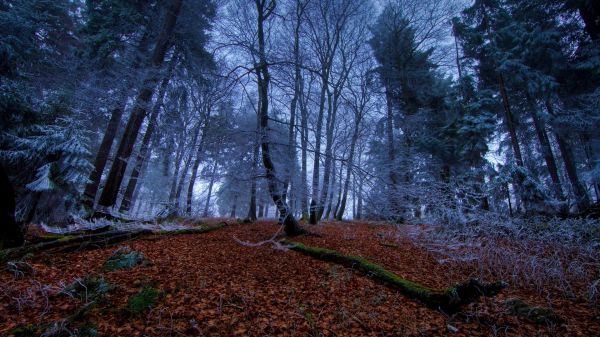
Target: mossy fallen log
<point>69,243</point>
<point>447,299</point>
<point>73,242</point>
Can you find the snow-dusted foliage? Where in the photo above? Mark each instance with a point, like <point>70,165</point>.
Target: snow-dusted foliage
<point>548,253</point>
<point>63,147</point>
<point>59,155</point>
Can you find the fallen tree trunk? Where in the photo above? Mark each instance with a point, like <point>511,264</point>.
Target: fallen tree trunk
<point>69,243</point>
<point>448,299</point>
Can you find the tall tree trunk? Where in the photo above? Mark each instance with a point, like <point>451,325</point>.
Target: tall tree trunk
<point>342,209</point>
<point>315,202</point>
<point>542,135</point>
<point>339,191</point>
<point>110,192</point>
<point>359,203</point>
<point>294,102</point>
<point>354,198</point>
<point>234,206</point>
<point>329,125</point>
<point>178,157</point>
<point>197,160</point>
<point>331,191</point>
<point>10,232</point>
<point>509,122</point>
<point>138,190</point>
<point>304,154</point>
<point>91,188</point>
<point>210,187</point>
<point>186,167</point>
<point>145,146</point>
<point>291,226</point>
<point>583,201</point>
<point>261,210</point>
<point>333,101</point>
<point>588,150</point>
<point>252,205</point>
<point>389,128</point>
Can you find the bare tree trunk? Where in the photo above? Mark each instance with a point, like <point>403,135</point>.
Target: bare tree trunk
<point>186,167</point>
<point>291,226</point>
<point>329,125</point>
<point>333,101</point>
<point>354,198</point>
<point>329,199</point>
<point>109,194</point>
<point>294,103</point>
<point>197,160</point>
<point>315,203</point>
<point>339,191</point>
<point>179,155</point>
<point>261,210</point>
<point>304,166</point>
<point>234,206</point>
<point>252,205</point>
<point>210,187</point>
<point>359,202</point>
<point>357,121</point>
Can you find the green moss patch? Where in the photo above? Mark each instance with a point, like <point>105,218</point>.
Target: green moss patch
<point>143,301</point>
<point>448,299</point>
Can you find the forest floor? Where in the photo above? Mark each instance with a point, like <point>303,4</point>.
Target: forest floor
<point>210,284</point>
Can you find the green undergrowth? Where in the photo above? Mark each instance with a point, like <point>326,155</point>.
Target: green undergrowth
<point>448,299</point>
<point>143,301</point>
<point>124,258</point>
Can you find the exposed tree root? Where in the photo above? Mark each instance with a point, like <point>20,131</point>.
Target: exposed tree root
<point>69,243</point>
<point>448,299</point>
